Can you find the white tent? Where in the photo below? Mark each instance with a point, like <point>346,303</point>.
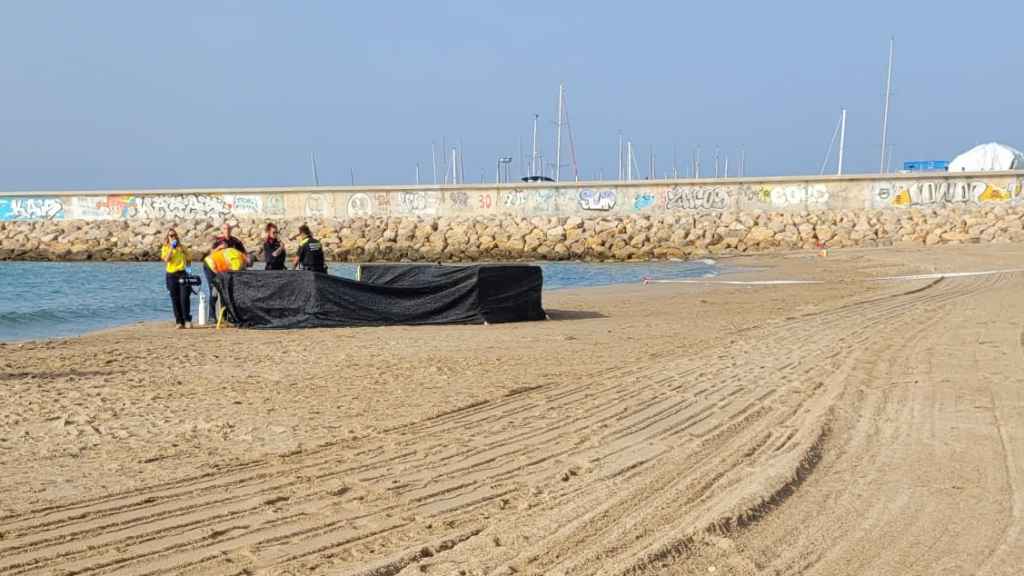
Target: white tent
<point>988,157</point>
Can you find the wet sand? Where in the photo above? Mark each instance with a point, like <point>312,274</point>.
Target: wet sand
<point>851,427</point>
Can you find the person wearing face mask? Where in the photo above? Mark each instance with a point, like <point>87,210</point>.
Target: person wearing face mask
<point>176,257</point>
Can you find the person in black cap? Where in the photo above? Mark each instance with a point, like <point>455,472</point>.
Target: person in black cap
<point>311,252</point>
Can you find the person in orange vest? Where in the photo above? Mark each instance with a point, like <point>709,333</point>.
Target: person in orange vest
<point>224,240</point>
<point>176,258</point>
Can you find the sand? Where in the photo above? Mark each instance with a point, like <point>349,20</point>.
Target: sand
<point>851,427</point>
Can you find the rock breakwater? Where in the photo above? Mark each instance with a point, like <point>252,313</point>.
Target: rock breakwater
<point>679,235</point>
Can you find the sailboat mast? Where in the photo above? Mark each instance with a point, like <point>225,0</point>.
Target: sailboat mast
<point>842,142</point>
<point>885,113</point>
<point>558,133</point>
<point>533,158</point>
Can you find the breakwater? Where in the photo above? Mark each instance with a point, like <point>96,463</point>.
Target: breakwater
<point>585,221</point>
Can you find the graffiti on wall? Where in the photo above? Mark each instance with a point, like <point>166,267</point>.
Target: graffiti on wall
<point>31,209</point>
<point>929,193</point>
<point>798,194</point>
<point>597,199</point>
<point>316,205</point>
<point>696,198</point>
<point>183,206</point>
<point>551,200</point>
<point>459,199</point>
<point>417,202</point>
<point>245,205</point>
<point>642,200</point>
<point>359,205</point>
<point>273,205</point>
<point>514,199</point>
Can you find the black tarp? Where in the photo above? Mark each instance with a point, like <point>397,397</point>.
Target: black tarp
<point>398,294</point>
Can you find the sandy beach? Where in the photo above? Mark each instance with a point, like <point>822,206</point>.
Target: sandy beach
<point>855,426</point>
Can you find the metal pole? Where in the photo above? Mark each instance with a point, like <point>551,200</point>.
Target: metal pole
<point>417,173</point>
<point>620,155</point>
<point>497,172</point>
<point>842,142</point>
<point>558,133</point>
<point>533,159</point>
<point>885,112</point>
<point>716,162</point>
<point>462,165</point>
<point>743,162</point>
<point>726,165</point>
<point>455,166</point>
<point>629,161</point>
<point>433,161</point>
<point>316,175</point>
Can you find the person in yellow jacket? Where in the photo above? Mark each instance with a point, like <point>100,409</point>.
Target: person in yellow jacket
<point>176,259</point>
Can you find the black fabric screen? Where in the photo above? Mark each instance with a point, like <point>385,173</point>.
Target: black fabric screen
<point>387,294</point>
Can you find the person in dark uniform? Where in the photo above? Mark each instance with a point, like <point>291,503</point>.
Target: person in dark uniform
<point>311,252</point>
<point>224,240</point>
<point>273,249</point>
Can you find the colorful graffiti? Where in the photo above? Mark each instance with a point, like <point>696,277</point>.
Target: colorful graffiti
<point>273,205</point>
<point>31,209</point>
<point>597,199</point>
<point>643,200</point>
<point>940,192</point>
<point>696,198</point>
<point>245,205</point>
<point>316,206</point>
<point>183,206</point>
<point>550,200</point>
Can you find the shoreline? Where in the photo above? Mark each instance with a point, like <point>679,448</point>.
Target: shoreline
<point>719,270</point>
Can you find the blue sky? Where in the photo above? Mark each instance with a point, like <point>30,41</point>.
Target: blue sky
<point>106,94</point>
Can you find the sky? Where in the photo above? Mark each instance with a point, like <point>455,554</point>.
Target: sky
<point>126,95</point>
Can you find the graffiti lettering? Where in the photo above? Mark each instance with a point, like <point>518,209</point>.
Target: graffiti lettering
<point>316,205</point>
<point>485,200</point>
<point>796,195</point>
<point>514,199</point>
<point>696,198</point>
<point>31,209</point>
<point>176,206</point>
<point>940,192</point>
<point>549,200</point>
<point>417,202</point>
<point>245,204</point>
<point>597,199</point>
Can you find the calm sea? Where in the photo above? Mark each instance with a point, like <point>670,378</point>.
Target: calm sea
<point>53,299</point>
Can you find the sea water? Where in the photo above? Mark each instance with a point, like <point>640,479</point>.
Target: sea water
<point>55,299</point>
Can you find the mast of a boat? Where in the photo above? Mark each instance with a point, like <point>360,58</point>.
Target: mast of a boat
<point>885,111</point>
<point>842,142</point>
<point>629,160</point>
<point>620,155</point>
<point>533,158</point>
<point>316,174</point>
<point>558,133</point>
<point>433,161</point>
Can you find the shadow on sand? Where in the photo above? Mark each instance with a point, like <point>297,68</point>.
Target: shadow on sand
<point>573,314</point>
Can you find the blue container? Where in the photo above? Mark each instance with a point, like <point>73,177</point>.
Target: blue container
<point>926,166</point>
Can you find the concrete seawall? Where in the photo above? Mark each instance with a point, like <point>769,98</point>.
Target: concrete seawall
<point>595,220</point>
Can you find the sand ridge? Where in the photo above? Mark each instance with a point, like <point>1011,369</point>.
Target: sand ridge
<point>853,427</point>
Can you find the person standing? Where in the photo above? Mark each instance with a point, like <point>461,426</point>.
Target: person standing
<point>311,252</point>
<point>176,258</point>
<point>273,249</point>
<point>223,240</point>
